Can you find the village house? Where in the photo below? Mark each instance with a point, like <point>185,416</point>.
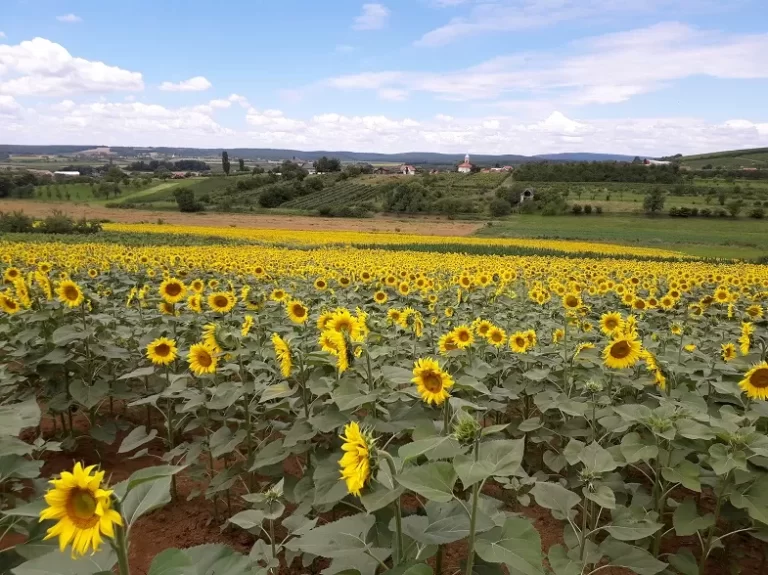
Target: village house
<point>466,167</point>
<point>407,170</point>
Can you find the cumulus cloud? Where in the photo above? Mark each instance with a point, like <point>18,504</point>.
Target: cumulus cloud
<point>196,84</point>
<point>8,104</point>
<point>601,70</point>
<point>374,17</point>
<point>40,67</point>
<point>69,18</point>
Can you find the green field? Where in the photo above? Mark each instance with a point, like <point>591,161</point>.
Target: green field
<point>734,159</point>
<point>704,237</point>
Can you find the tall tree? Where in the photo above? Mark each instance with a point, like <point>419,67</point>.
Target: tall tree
<point>242,164</point>
<point>225,162</point>
<point>654,201</point>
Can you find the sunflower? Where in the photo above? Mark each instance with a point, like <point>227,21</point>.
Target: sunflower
<point>334,343</point>
<point>622,352</point>
<point>571,301</point>
<point>82,509</point>
<point>11,275</point>
<point>162,351</point>
<point>497,337</point>
<point>447,343</point>
<point>283,354</point>
<point>404,288</point>
<point>209,337</point>
<point>755,311</point>
<point>449,311</point>
<point>676,329</point>
<point>92,273</point>
<point>432,383</point>
<point>324,320</point>
<point>70,293</point>
<point>278,295</point>
<point>380,297</point>
<point>482,327</point>
<point>344,322</point>
<point>173,290</point>
<point>297,311</point>
<point>518,341</point>
<point>195,303</point>
<point>202,359</point>
<point>197,286</point>
<point>744,340</point>
<point>728,351</point>
<point>463,337</point>
<point>247,325</point>
<point>221,301</point>
<point>659,379</point>
<point>8,304</point>
<point>582,346</point>
<point>558,335</point>
<point>320,284</point>
<point>755,382</point>
<point>530,335</point>
<point>691,347</point>
<point>356,462</point>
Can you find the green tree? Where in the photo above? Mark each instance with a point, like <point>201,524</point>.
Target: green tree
<point>225,162</point>
<point>734,208</point>
<point>241,162</point>
<point>654,201</point>
<point>326,164</point>
<point>185,199</point>
<point>721,196</point>
<point>499,208</point>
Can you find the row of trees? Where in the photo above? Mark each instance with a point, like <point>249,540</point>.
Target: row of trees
<point>597,172</point>
<point>177,166</point>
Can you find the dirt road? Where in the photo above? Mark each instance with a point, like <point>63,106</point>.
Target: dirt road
<point>432,226</point>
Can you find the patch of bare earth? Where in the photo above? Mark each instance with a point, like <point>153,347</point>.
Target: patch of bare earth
<point>422,225</point>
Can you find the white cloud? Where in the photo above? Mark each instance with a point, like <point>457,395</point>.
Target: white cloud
<point>374,17</point>
<point>2,34</point>
<point>242,100</point>
<point>602,70</point>
<point>393,94</point>
<point>196,84</point>
<point>8,104</point>
<point>69,18</point>
<point>40,67</point>
<point>509,15</point>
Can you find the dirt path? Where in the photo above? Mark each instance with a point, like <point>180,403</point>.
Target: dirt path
<point>432,226</point>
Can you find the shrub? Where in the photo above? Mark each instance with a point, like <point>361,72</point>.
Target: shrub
<point>57,223</point>
<point>16,222</point>
<point>499,208</point>
<point>599,209</point>
<point>576,209</point>
<point>757,213</point>
<point>734,207</point>
<point>588,209</point>
<point>185,199</point>
<point>705,212</point>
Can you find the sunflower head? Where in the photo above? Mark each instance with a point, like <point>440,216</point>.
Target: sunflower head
<point>202,359</point>
<point>356,463</point>
<point>622,352</point>
<point>728,351</point>
<point>447,343</point>
<point>82,510</point>
<point>70,293</point>
<point>380,297</point>
<point>518,341</point>
<point>222,301</point>
<point>431,381</point>
<point>283,354</point>
<point>297,311</point>
<point>755,382</point>
<point>162,351</point>
<point>497,337</point>
<point>173,290</point>
<point>463,336</point>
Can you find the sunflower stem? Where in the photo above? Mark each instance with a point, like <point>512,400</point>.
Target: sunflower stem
<point>473,516</point>
<point>398,510</point>
<point>121,547</point>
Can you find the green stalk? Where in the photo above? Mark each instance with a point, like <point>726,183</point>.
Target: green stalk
<point>473,516</point>
<point>718,505</point>
<point>272,539</point>
<point>398,555</point>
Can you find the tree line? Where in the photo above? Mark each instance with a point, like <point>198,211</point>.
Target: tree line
<point>177,166</point>
<point>598,172</point>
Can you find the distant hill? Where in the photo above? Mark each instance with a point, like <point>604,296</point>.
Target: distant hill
<point>585,157</point>
<point>275,154</point>
<point>733,159</point>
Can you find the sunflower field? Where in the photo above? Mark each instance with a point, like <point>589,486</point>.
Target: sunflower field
<point>372,411</point>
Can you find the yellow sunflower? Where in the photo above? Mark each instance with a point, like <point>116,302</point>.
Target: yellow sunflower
<point>173,290</point>
<point>747,329</point>
<point>728,351</point>
<point>297,311</point>
<point>571,301</point>
<point>320,284</point>
<point>530,335</point>
<point>283,354</point>
<point>447,343</point>
<point>278,295</point>
<point>380,297</point>
<point>82,509</point>
<point>222,301</point>
<point>162,351</point>
<point>755,382</point>
<point>202,359</point>
<point>432,383</point>
<point>518,341</point>
<point>463,337</point>
<point>482,327</point>
<point>324,320</point>
<point>497,337</point>
<point>356,462</point>
<point>676,329</point>
<point>8,304</point>
<point>70,293</point>
<point>247,325</point>
<point>558,335</point>
<point>195,303</point>
<point>197,286</point>
<point>611,322</point>
<point>622,352</point>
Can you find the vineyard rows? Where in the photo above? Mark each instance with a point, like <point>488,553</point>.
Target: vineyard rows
<point>343,194</point>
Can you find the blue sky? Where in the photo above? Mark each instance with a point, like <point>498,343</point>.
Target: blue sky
<point>485,76</point>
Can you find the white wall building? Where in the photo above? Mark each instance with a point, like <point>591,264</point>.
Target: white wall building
<point>466,167</point>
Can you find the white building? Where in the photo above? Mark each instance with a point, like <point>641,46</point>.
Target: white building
<point>407,170</point>
<point>67,174</point>
<point>466,167</point>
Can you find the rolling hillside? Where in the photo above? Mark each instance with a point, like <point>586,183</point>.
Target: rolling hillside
<point>734,159</point>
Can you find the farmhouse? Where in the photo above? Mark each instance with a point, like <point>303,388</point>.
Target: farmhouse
<point>67,174</point>
<point>649,162</point>
<point>407,170</point>
<point>466,167</point>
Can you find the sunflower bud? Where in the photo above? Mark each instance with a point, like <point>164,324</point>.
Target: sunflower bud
<point>467,429</point>
<point>593,386</point>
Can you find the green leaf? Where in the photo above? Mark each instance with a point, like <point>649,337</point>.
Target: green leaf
<point>691,429</point>
<point>497,458</point>
<point>347,396</point>
<point>248,519</point>
<point>560,562</point>
<point>635,448</point>
<point>443,524</point>
<point>58,563</point>
<point>686,473</point>
<point>144,475</point>
<point>438,447</point>
<point>201,560</point>
<point>16,416</point>
<point>301,431</point>
<point>379,497</point>
<point>223,441</point>
<point>396,375</point>
<point>329,488</point>
<point>629,530</point>
<point>136,438</point>
<point>555,497</point>
<point>603,496</point>
<point>722,460</point>
<point>631,557</point>
<point>491,429</point>
<point>685,562</point>
<point>31,509</point>
<point>410,569</point>
<point>530,424</point>
<point>88,395</point>
<point>271,454</point>
<point>596,459</point>
<point>276,391</point>
<point>572,451</point>
<point>516,544</point>
<point>146,497</point>
<point>344,537</point>
<point>537,374</point>
<point>433,480</point>
<point>66,334</point>
<point>140,373</point>
<point>687,521</point>
<point>754,500</point>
